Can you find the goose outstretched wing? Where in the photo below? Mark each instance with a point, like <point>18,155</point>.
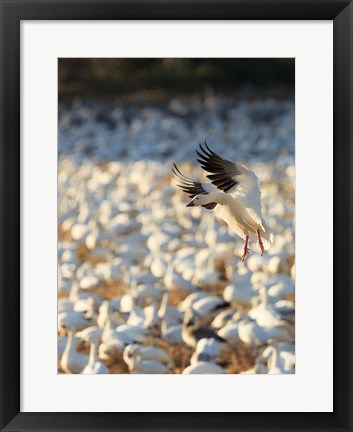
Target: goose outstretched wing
<point>232,178</point>
<point>224,174</point>
<point>193,188</point>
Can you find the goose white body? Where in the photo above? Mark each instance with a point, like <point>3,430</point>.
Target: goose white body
<point>148,353</point>
<point>230,332</point>
<point>204,367</point>
<point>172,334</point>
<point>133,357</point>
<point>92,335</point>
<point>73,362</point>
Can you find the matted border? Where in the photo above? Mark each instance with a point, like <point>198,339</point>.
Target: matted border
<point>311,44</point>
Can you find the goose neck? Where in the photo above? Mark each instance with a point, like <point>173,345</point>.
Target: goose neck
<point>219,197</point>
<point>274,358</point>
<point>93,352</point>
<point>69,344</point>
<point>164,306</point>
<point>164,326</point>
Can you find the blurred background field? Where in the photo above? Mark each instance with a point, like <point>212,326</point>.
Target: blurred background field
<point>96,77</point>
<point>133,261</point>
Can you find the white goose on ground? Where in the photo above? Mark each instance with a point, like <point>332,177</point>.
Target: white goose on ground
<point>240,291</point>
<point>191,299</point>
<point>257,369</point>
<point>252,334</point>
<point>265,314</point>
<point>104,313</point>
<point>72,362</point>
<point>156,263</point>
<point>77,294</point>
<point>206,349</point>
<point>149,353</point>
<point>206,275</point>
<point>131,333</point>
<point>137,365</point>
<point>208,306</point>
<point>62,342</point>
<point>113,343</point>
<point>235,195</point>
<point>230,332</point>
<point>281,286</point>
<point>145,292</point>
<point>170,313</point>
<point>286,309</point>
<point>171,334</point>
<point>276,364</point>
<point>152,320</point>
<point>78,321</point>
<point>174,281</point>
<point>285,351</point>
<point>204,367</point>
<point>221,319</point>
<point>112,346</point>
<point>192,332</point>
<point>92,335</point>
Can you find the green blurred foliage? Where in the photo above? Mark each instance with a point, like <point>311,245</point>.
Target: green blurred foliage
<point>97,77</point>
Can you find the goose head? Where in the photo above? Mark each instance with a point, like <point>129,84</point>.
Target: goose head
<point>72,321</point>
<point>130,354</point>
<point>90,334</point>
<point>198,200</point>
<point>203,199</point>
<point>191,318</point>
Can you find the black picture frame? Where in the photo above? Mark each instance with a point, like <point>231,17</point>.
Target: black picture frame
<point>12,12</point>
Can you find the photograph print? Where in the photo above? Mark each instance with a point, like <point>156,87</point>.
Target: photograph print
<point>176,204</point>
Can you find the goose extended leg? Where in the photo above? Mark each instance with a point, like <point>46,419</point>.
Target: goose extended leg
<point>260,242</point>
<point>246,249</point>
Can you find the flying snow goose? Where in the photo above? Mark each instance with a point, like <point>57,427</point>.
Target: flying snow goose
<point>235,195</point>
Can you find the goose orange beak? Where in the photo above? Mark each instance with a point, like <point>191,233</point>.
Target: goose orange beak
<point>190,204</point>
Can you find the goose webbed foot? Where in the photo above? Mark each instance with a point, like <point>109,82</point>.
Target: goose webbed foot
<point>246,249</point>
<point>260,242</point>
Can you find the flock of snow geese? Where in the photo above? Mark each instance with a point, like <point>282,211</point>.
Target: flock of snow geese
<point>150,285</point>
